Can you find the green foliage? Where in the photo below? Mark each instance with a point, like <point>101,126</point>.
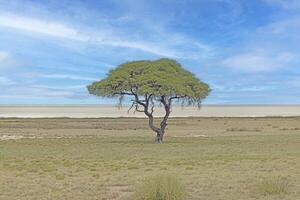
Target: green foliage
<point>160,187</point>
<point>163,77</point>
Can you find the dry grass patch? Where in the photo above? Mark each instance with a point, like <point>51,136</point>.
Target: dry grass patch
<point>274,186</point>
<point>160,187</point>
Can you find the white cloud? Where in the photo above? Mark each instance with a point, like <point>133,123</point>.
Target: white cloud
<point>3,56</point>
<point>241,88</point>
<point>288,26</point>
<point>40,91</point>
<point>65,92</point>
<point>62,93</point>
<point>287,4</point>
<point>259,61</point>
<point>50,28</point>
<point>6,60</point>
<point>144,46</point>
<point>67,76</point>
<point>293,82</point>
<point>169,45</point>
<point>71,87</point>
<point>255,89</point>
<point>270,47</point>
<point>60,30</point>
<point>6,81</point>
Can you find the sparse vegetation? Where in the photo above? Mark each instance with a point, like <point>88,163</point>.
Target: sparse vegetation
<point>243,130</point>
<point>160,187</point>
<point>107,158</point>
<point>274,186</point>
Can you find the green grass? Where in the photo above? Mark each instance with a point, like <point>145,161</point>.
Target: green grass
<point>110,167</point>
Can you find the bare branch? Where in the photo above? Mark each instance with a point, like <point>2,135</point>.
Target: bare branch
<point>152,106</point>
<point>123,93</point>
<point>138,110</point>
<point>139,101</point>
<point>178,97</point>
<point>132,105</point>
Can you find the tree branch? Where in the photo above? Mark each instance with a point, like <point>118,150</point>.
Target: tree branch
<point>137,102</point>
<point>178,97</point>
<point>123,93</point>
<point>152,107</point>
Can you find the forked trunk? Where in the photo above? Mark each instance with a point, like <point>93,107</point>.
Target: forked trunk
<point>158,130</point>
<point>159,137</point>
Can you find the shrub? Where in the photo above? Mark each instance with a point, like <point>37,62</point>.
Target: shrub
<point>273,186</point>
<point>161,187</point>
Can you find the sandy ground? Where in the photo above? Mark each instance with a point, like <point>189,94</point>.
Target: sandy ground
<point>95,111</point>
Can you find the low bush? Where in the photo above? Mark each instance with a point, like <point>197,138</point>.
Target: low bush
<point>161,187</point>
<point>274,186</point>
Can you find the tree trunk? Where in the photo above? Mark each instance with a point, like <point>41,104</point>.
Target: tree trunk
<point>161,131</point>
<point>158,130</point>
<point>159,136</point>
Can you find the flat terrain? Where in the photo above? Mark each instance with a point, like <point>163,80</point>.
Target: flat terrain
<point>96,111</point>
<point>104,159</point>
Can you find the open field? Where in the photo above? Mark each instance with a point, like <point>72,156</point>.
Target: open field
<point>215,158</point>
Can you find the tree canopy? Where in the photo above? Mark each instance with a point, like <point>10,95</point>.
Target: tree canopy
<point>163,77</point>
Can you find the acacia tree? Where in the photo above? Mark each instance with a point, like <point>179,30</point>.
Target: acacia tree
<point>150,84</point>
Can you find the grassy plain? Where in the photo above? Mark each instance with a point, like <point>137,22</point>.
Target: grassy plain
<point>105,159</point>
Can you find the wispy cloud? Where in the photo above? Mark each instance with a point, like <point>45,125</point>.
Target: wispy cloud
<point>46,91</point>
<point>3,56</point>
<point>270,47</point>
<point>4,81</point>
<point>46,27</point>
<point>6,60</point>
<point>287,28</point>
<point>71,87</point>
<point>293,82</point>
<point>43,91</point>
<point>259,61</point>
<point>242,88</point>
<point>254,44</point>
<point>67,76</point>
<point>171,46</point>
<point>287,4</point>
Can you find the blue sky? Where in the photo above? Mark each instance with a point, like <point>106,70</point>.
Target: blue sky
<point>248,51</point>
